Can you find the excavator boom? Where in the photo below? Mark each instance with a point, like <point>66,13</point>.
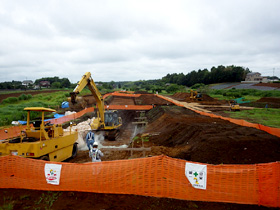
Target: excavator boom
<point>88,81</point>
<point>105,120</point>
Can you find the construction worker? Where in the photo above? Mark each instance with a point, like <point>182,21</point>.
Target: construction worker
<point>90,139</point>
<point>95,154</point>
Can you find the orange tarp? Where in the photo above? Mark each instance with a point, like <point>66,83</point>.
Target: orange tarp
<point>159,176</point>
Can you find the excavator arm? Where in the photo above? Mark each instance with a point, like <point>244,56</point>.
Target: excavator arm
<point>88,81</point>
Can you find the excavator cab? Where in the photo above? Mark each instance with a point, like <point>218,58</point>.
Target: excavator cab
<point>196,96</point>
<point>112,118</point>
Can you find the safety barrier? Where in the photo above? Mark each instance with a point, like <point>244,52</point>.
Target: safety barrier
<point>129,107</point>
<point>122,94</point>
<point>158,176</point>
<point>270,130</point>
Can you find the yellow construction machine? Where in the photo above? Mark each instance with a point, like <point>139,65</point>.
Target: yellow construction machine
<point>108,120</point>
<point>41,140</point>
<point>233,105</point>
<point>196,96</point>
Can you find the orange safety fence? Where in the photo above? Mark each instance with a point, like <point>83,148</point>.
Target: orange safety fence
<point>122,94</point>
<point>71,116</point>
<point>270,130</point>
<point>158,176</point>
<point>129,107</point>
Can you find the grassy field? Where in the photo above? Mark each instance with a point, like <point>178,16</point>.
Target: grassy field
<point>11,109</point>
<point>268,117</point>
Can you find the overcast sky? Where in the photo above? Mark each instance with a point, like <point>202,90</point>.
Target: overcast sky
<point>129,40</point>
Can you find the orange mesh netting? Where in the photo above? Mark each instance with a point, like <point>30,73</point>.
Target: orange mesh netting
<point>158,176</point>
<point>129,107</point>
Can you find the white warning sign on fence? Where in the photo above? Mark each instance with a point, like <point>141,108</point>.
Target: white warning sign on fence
<point>52,173</point>
<point>197,175</point>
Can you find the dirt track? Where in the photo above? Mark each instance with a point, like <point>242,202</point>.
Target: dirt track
<point>179,133</point>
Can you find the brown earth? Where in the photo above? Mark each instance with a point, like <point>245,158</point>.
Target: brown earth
<point>35,92</point>
<point>173,131</point>
<point>277,85</point>
<point>206,99</point>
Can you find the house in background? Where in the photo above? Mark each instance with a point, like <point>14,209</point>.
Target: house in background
<point>45,84</point>
<point>255,77</point>
<point>27,83</point>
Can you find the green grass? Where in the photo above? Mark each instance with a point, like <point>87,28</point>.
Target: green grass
<point>48,199</point>
<point>12,109</point>
<point>8,203</point>
<point>268,117</point>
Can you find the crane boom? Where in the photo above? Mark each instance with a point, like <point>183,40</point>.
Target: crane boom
<point>86,80</point>
<point>105,120</point>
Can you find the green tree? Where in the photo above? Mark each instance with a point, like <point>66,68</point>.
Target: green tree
<point>172,88</point>
<point>56,85</point>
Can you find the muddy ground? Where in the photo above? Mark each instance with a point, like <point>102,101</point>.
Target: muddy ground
<point>173,131</point>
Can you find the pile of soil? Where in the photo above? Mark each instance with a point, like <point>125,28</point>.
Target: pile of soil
<point>150,99</point>
<point>276,85</point>
<point>206,99</point>
<point>145,99</point>
<point>208,140</point>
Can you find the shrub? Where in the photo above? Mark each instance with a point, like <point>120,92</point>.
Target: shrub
<point>10,100</point>
<point>23,97</point>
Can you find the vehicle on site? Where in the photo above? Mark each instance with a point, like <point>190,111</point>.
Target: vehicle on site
<point>41,140</point>
<point>196,96</point>
<point>233,105</point>
<point>106,120</point>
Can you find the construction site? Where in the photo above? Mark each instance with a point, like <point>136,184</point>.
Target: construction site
<point>154,125</point>
<point>178,132</point>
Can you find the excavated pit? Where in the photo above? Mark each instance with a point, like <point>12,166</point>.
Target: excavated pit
<point>174,131</point>
<point>181,133</point>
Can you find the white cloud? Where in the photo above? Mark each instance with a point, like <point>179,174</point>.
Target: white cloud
<point>132,40</point>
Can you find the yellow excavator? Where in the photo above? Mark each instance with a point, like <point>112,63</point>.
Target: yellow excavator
<point>233,105</point>
<point>196,96</point>
<point>108,120</point>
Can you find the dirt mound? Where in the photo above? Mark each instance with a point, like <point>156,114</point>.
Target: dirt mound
<point>276,85</point>
<point>150,99</point>
<point>119,100</point>
<point>209,140</point>
<point>206,99</point>
<point>89,99</point>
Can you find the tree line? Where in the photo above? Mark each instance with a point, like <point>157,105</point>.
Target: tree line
<point>215,75</point>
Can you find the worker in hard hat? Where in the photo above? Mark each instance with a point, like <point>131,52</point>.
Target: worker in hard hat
<point>90,139</point>
<point>94,153</point>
